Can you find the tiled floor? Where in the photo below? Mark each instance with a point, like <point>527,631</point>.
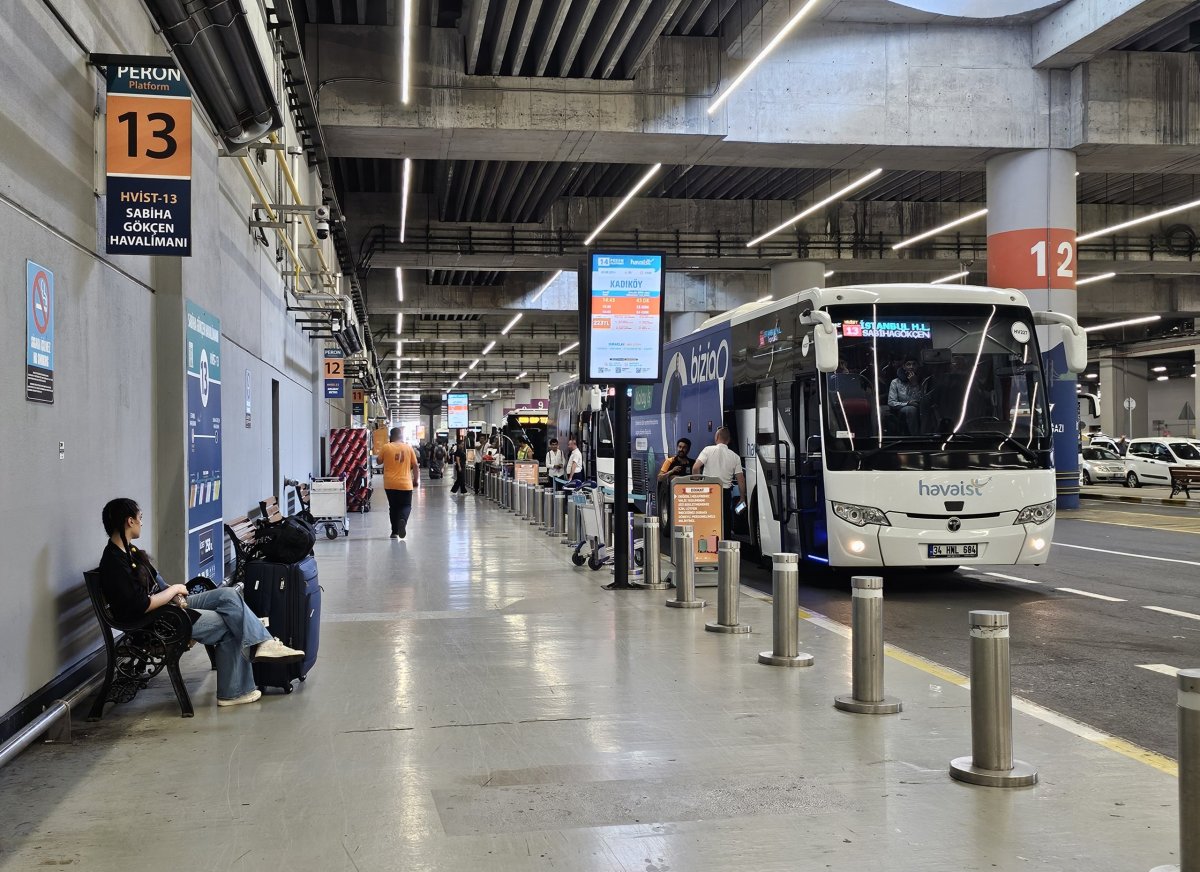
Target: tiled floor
<point>481,704</point>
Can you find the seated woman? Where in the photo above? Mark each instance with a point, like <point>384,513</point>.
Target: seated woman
<point>219,617</point>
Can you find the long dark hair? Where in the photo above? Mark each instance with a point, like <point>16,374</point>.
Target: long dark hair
<point>115,514</point>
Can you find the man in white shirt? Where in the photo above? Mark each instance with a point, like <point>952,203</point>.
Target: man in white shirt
<point>721,462</point>
<point>574,461</point>
<point>556,461</point>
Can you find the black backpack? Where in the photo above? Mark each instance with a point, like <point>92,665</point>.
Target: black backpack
<point>288,541</point>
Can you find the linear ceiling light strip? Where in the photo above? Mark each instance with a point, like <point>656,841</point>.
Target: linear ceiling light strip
<point>761,56</point>
<point>642,182</point>
<point>935,231</point>
<point>406,54</point>
<point>1090,279</point>
<point>404,197</point>
<point>1143,320</point>
<point>1084,237</point>
<point>836,195</point>
<point>950,278</point>
<point>545,287</point>
<point>570,347</point>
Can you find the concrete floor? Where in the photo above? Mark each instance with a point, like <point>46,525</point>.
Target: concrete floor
<point>480,704</point>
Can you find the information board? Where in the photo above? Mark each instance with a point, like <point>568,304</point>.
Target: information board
<point>148,160</point>
<point>526,471</point>
<point>697,500</point>
<point>457,409</point>
<point>205,543</point>
<point>625,323</point>
<point>39,333</point>
<point>335,371</point>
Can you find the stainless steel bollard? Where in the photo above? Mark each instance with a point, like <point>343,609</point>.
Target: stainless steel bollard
<point>785,619</point>
<point>544,517</point>
<point>558,508</point>
<point>514,494</point>
<point>1189,773</point>
<point>572,522</point>
<point>538,499</point>
<point>531,498</point>
<point>991,763</point>
<point>729,588</point>
<point>685,571</point>
<point>523,502</point>
<point>651,554</point>
<point>866,690</point>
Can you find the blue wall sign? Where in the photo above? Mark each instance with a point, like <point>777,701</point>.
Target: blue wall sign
<point>39,333</point>
<point>204,517</point>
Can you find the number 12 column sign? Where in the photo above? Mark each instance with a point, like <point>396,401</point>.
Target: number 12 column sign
<point>148,163</point>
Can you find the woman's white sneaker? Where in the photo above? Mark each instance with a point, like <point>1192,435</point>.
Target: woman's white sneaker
<point>274,650</point>
<point>252,696</point>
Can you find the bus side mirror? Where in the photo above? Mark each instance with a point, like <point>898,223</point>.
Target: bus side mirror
<point>1074,339</point>
<point>825,340</point>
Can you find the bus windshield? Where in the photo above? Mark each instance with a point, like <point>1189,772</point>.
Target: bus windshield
<point>936,386</point>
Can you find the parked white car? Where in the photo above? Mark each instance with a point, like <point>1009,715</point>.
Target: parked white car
<point>1100,464</point>
<point>1149,461</point>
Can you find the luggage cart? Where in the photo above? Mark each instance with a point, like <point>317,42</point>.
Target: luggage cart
<point>591,504</point>
<point>327,503</point>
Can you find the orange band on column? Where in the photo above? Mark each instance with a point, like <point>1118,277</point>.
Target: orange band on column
<point>1041,258</point>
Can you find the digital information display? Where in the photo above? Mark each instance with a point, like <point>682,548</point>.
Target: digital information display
<point>457,407</point>
<point>625,318</point>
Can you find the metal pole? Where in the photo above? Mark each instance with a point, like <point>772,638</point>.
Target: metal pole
<point>572,522</point>
<point>991,763</point>
<point>536,507</point>
<point>729,587</point>
<point>785,618</point>
<point>1189,773</point>
<point>685,575</point>
<point>558,504</point>
<point>636,573</point>
<point>866,695</point>
<point>651,548</point>
<point>547,518</point>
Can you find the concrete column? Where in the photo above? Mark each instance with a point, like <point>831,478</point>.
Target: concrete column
<point>1123,378</point>
<point>1194,429</point>
<point>796,275</point>
<point>524,395</point>
<point>1031,247</point>
<point>539,390</point>
<point>686,322</point>
<point>170,542</point>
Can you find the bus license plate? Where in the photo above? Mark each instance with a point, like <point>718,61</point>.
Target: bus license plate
<point>956,550</point>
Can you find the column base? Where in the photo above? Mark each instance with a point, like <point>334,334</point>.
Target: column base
<point>626,586</point>
<point>769,658</point>
<point>889,705</point>
<point>714,627</point>
<point>1021,775</point>
<point>686,604</point>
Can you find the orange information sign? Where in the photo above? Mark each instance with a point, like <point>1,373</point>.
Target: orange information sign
<point>1034,259</point>
<point>696,500</point>
<point>526,471</point>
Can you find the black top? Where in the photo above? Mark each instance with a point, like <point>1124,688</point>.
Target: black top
<point>127,581</point>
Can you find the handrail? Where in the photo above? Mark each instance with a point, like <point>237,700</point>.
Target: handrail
<point>42,723</point>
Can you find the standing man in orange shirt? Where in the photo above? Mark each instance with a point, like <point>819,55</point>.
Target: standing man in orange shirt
<point>401,474</point>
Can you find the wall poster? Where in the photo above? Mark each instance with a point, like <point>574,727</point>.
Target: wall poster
<point>204,517</point>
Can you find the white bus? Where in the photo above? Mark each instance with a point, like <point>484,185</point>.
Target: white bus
<point>880,425</point>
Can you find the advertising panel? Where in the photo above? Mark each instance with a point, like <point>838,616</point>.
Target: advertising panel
<point>148,161</point>
<point>457,410</point>
<point>696,500</point>
<point>203,350</point>
<point>625,318</point>
<point>39,333</point>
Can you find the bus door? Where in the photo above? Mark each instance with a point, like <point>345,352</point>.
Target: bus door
<point>768,496</point>
<point>808,526</point>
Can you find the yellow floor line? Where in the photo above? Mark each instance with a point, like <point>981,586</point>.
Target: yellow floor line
<point>1125,748</point>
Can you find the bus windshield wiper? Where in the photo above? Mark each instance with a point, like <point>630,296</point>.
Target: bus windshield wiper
<point>1006,439</point>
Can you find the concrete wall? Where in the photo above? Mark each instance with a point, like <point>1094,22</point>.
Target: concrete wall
<point>118,360</point>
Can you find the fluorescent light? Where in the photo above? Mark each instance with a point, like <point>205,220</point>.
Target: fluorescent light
<point>1143,320</point>
<point>836,195</point>
<point>511,324</point>
<point>1092,375</point>
<point>399,323</point>
<point>1163,378</point>
<point>1158,369</point>
<point>399,282</point>
<point>489,346</point>
<point>1134,221</point>
<point>935,231</point>
<point>828,273</point>
<point>642,182</point>
<point>399,349</point>
<point>462,375</point>
<point>766,50</point>
<point>404,196</point>
<point>406,55</point>
<point>492,391</point>
<point>1098,278</point>
<point>570,347</point>
<point>521,375</point>
<point>474,364</point>
<point>543,288</point>
<point>950,278</point>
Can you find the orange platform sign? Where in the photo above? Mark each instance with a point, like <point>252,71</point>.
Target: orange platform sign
<point>1036,259</point>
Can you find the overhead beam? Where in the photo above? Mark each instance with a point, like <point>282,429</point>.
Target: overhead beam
<point>472,23</point>
<point>526,23</point>
<point>649,29</point>
<point>545,39</point>
<point>1082,29</point>
<point>504,23</point>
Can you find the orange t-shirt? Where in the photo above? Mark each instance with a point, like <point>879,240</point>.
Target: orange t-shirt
<point>399,461</point>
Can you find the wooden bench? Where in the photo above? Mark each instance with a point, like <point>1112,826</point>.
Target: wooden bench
<point>155,641</point>
<point>1182,477</point>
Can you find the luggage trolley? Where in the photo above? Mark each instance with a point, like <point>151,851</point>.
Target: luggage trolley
<point>327,502</point>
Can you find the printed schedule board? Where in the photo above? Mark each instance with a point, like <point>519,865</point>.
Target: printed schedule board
<point>457,409</point>
<point>148,161</point>
<point>697,501</point>
<point>625,324</point>
<point>205,542</point>
<point>39,333</point>
<point>526,471</point>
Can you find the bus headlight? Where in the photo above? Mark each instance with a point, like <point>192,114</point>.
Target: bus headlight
<point>1036,514</point>
<point>860,516</point>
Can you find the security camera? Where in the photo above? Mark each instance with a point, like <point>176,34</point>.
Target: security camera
<point>322,222</point>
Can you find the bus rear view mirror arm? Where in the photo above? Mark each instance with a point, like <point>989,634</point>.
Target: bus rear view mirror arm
<point>1074,339</point>
<point>824,338</point>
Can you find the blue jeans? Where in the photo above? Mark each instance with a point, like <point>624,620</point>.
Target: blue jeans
<point>226,622</point>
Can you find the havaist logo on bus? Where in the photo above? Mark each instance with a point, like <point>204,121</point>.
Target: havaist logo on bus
<point>972,488</point>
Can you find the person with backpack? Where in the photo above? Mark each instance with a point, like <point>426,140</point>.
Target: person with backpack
<point>460,468</point>
<point>401,476</point>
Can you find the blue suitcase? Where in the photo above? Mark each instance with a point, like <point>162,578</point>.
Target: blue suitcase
<point>289,597</point>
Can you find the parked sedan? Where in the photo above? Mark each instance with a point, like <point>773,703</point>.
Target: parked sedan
<point>1100,464</point>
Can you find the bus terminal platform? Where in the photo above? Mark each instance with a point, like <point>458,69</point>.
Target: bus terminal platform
<point>481,704</point>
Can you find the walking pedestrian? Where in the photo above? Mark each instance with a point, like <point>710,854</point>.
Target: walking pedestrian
<point>401,474</point>
<point>460,468</point>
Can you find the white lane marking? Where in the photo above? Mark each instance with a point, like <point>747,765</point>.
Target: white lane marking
<point>1175,612</point>
<point>1159,667</point>
<point>1015,578</point>
<point>1099,596</point>
<point>1128,554</point>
